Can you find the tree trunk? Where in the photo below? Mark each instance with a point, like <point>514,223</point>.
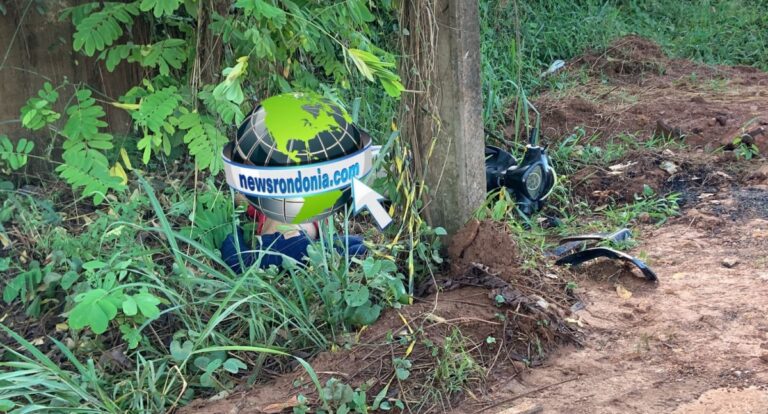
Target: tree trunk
<point>443,121</point>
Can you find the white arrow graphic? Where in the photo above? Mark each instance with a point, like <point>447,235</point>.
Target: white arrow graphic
<point>365,197</point>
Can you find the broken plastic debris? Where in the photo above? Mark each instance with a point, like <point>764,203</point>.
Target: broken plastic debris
<point>554,67</point>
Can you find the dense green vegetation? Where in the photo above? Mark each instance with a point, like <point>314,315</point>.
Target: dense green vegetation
<point>115,294</point>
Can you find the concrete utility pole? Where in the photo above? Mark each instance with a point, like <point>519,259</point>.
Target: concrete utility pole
<point>447,56</point>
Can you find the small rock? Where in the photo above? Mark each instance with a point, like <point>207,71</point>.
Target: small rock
<point>730,262</point>
<point>711,122</point>
<point>644,217</point>
<point>756,132</point>
<point>669,167</point>
<point>747,139</point>
<point>523,408</point>
<point>663,129</point>
<point>737,374</point>
<point>722,120</point>
<point>727,156</point>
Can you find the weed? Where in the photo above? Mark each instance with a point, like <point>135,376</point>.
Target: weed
<point>647,206</point>
<point>745,150</point>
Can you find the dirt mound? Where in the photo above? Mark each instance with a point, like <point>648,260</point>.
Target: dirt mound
<point>484,242</point>
<point>627,59</point>
<point>632,87</point>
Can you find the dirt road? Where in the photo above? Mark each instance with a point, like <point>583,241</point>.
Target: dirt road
<point>697,343</point>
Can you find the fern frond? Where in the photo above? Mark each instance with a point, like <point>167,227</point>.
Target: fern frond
<point>262,10</point>
<point>88,168</point>
<point>156,107</point>
<point>15,158</point>
<point>229,112</point>
<point>100,29</point>
<point>204,140</point>
<point>84,122</point>
<point>166,54</point>
<point>38,112</point>
<point>115,54</point>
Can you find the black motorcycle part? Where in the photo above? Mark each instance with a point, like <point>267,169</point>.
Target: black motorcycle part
<point>596,252</point>
<point>617,236</point>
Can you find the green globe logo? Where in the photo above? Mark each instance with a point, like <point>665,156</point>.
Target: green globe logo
<point>298,129</point>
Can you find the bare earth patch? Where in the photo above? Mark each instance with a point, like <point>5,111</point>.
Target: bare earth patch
<point>696,344</point>
<point>632,87</point>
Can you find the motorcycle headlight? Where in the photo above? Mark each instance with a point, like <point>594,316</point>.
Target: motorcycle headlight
<point>535,182</point>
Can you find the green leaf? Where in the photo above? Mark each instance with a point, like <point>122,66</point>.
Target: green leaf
<point>131,335</point>
<point>94,265</point>
<point>38,112</point>
<point>229,112</point>
<point>82,127</point>
<point>360,59</point>
<point>147,303</point>
<point>230,88</point>
<point>88,169</point>
<point>12,289</point>
<point>371,267</point>
<point>402,368</point>
<point>202,362</point>
<point>100,29</point>
<point>647,190</point>
<point>356,294</point>
<point>370,66</point>
<point>180,352</point>
<point>164,55</point>
<point>160,7</point>
<point>206,380</point>
<point>114,55</point>
<point>263,10</point>
<point>204,140</point>
<point>6,405</point>
<point>15,157</point>
<point>69,279</point>
<point>234,365</point>
<point>364,315</point>
<point>129,306</point>
<point>156,107</point>
<point>95,309</point>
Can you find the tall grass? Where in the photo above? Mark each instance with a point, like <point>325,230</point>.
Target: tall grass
<point>520,39</point>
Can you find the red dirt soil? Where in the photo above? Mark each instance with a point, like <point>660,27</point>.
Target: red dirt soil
<point>696,344</point>
<point>633,88</point>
